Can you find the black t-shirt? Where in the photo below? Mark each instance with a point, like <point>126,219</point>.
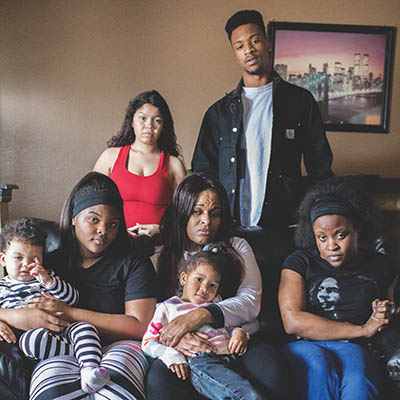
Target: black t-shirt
<point>112,281</point>
<point>342,293</point>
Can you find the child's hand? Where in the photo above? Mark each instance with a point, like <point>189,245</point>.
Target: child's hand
<point>6,333</point>
<point>40,273</point>
<point>181,370</point>
<point>238,342</point>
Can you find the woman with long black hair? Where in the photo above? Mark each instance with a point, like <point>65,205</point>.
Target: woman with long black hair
<point>117,294</point>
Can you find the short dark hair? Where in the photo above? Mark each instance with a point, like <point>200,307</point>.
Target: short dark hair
<point>174,225</point>
<point>91,182</point>
<point>244,17</point>
<point>365,216</point>
<point>223,259</point>
<point>25,230</point>
<point>167,139</point>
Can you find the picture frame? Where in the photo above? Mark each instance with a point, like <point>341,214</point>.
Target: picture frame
<point>348,69</point>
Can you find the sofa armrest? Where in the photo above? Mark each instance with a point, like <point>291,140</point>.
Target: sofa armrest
<point>15,372</point>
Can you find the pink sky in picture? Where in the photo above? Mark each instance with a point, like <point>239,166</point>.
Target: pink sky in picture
<point>298,49</point>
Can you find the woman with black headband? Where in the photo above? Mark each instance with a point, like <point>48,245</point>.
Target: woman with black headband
<point>334,294</point>
<point>117,294</point>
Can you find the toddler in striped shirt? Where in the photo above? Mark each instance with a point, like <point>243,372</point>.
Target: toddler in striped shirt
<point>21,254</point>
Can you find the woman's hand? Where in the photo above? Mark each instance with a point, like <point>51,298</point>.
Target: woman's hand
<point>383,309</point>
<point>6,333</point>
<point>379,317</point>
<point>238,342</point>
<point>172,333</point>
<point>25,319</point>
<point>195,342</point>
<point>50,304</point>
<point>144,230</point>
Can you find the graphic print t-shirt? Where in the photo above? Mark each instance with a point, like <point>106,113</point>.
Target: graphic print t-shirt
<point>342,293</point>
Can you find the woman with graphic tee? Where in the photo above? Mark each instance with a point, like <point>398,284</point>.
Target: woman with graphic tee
<point>335,293</point>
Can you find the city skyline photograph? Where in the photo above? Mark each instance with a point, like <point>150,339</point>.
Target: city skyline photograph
<point>298,49</point>
<point>347,68</point>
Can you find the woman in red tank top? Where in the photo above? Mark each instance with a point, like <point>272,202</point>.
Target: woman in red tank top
<point>142,159</point>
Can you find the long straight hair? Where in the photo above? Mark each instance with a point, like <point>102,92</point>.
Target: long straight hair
<point>174,225</point>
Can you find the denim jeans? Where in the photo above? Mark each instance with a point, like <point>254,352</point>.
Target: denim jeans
<point>218,377</point>
<point>262,363</point>
<point>332,370</point>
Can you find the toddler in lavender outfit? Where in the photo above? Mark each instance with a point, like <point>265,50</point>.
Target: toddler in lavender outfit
<point>208,273</point>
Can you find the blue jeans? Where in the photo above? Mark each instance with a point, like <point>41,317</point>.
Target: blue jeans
<point>218,377</point>
<point>262,363</point>
<point>331,370</point>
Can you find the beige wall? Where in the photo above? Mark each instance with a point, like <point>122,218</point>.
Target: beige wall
<point>69,67</point>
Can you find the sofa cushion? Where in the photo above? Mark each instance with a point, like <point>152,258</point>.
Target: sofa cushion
<point>53,233</point>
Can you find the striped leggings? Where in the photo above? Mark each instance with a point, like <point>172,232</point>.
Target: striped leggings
<point>79,339</point>
<point>58,375</point>
<point>58,378</point>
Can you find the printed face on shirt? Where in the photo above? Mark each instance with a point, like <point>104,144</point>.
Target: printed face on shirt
<point>147,124</point>
<point>328,293</point>
<point>336,238</point>
<point>18,259</point>
<point>251,49</point>
<point>200,285</point>
<point>96,228</point>
<point>205,220</point>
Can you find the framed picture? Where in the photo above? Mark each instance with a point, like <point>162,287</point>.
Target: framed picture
<point>348,69</point>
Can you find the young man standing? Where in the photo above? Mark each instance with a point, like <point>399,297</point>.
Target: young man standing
<point>254,139</point>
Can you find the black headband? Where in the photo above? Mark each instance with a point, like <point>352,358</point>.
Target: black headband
<point>330,207</point>
<point>85,200</point>
<point>244,17</point>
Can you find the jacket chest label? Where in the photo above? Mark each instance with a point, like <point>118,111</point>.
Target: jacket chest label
<point>289,134</point>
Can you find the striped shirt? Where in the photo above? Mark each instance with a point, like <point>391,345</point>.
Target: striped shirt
<point>14,294</point>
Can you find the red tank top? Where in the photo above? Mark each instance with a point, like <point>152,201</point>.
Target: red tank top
<point>145,197</point>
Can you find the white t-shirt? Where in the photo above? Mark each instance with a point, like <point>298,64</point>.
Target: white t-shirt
<point>256,142</point>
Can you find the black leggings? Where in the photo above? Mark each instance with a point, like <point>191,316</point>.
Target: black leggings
<point>264,366</point>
